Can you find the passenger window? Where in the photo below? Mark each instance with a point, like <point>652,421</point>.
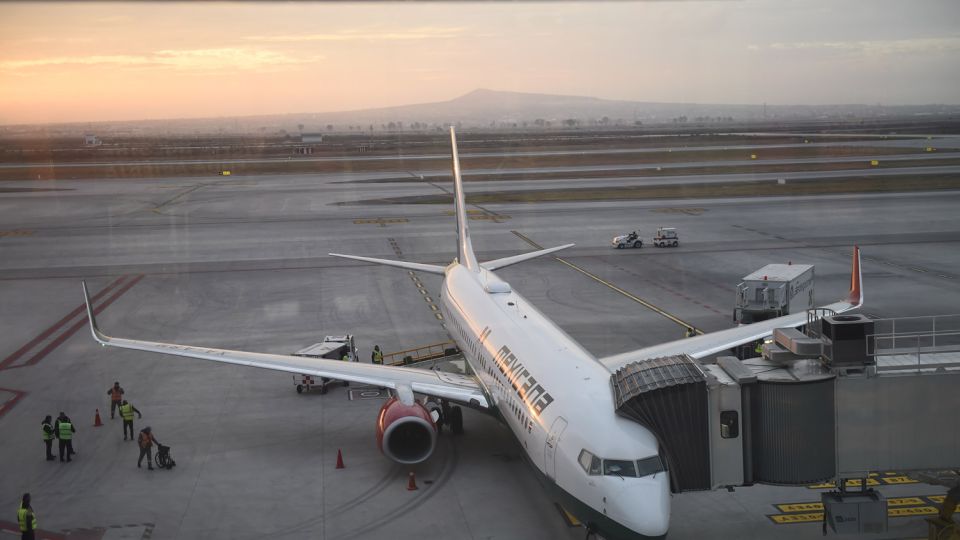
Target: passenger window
<point>729,425</point>
<point>619,467</point>
<point>650,465</point>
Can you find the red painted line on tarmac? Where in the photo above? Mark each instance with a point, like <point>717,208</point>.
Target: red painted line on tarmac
<point>78,325</point>
<point>56,326</point>
<point>40,534</point>
<point>6,406</point>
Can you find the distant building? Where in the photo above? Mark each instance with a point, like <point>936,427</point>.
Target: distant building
<point>91,140</point>
<point>311,137</point>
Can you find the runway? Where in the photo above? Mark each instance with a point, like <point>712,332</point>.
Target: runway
<point>241,263</point>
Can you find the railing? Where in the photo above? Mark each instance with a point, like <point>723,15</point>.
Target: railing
<point>419,354</point>
<point>814,328</point>
<point>915,336</point>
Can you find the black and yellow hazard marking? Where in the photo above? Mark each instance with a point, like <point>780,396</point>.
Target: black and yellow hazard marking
<point>809,517</point>
<point>812,512</point>
<point>938,499</point>
<point>609,285</point>
<point>16,233</point>
<point>568,518</point>
<point>790,508</point>
<point>914,511</point>
<point>382,222</point>
<point>888,479</point>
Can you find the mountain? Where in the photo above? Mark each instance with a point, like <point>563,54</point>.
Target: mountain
<point>493,108</point>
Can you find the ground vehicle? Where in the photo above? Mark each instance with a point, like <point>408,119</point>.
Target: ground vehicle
<point>625,240</point>
<point>332,348</point>
<point>666,237</point>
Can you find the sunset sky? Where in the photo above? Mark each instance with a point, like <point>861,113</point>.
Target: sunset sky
<point>115,61</point>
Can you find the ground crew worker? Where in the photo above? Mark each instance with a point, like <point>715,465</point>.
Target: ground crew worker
<point>26,518</point>
<point>65,431</point>
<point>47,427</point>
<point>126,412</point>
<point>146,441</point>
<point>689,332</point>
<point>759,348</point>
<point>116,397</point>
<point>376,357</point>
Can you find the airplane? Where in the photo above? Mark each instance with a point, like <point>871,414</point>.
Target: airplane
<point>554,395</point>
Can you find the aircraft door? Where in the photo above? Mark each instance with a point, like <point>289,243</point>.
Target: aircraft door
<point>550,447</point>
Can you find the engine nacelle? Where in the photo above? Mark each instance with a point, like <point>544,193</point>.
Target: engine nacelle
<point>406,433</point>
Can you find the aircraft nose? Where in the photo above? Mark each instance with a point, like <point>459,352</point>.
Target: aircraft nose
<point>645,507</point>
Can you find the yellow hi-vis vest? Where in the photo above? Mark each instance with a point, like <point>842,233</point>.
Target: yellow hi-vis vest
<point>47,431</point>
<point>126,411</point>
<point>66,431</point>
<point>377,357</point>
<point>22,519</point>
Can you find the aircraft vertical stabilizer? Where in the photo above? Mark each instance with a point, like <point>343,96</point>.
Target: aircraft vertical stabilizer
<point>464,248</point>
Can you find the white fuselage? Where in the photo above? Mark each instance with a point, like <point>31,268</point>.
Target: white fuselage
<point>555,397</point>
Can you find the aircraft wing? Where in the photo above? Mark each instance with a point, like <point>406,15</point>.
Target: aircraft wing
<point>457,388</point>
<point>714,342</point>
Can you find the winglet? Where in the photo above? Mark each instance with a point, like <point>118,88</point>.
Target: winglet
<point>97,334</point>
<point>856,280</point>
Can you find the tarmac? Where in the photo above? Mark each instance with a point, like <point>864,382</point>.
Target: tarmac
<point>241,263</point>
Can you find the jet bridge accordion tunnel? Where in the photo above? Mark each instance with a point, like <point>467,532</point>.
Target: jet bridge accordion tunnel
<point>749,430</point>
<point>856,396</point>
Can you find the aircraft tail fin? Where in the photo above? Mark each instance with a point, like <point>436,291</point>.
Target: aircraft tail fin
<point>465,252</point>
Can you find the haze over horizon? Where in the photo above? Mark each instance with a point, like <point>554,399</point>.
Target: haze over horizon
<point>84,62</point>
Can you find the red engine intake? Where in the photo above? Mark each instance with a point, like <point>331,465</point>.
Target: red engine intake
<point>406,434</point>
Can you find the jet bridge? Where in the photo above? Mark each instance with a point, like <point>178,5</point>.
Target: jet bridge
<point>849,397</point>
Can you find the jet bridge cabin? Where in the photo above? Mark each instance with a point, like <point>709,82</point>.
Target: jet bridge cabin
<point>853,396</point>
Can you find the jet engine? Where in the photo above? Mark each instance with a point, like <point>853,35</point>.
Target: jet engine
<point>406,432</point>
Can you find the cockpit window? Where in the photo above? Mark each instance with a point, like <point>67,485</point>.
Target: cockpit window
<point>650,465</point>
<point>619,467</point>
<point>589,462</point>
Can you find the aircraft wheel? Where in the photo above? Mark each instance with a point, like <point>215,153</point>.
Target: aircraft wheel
<point>456,420</point>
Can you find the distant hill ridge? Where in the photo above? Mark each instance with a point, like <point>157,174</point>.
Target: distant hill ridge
<point>496,108</point>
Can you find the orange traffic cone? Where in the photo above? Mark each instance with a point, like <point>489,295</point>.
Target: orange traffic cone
<point>412,484</point>
<point>96,420</point>
<point>339,459</point>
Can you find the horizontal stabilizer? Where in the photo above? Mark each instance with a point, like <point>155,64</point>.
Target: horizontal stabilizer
<point>507,261</point>
<point>428,268</point>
